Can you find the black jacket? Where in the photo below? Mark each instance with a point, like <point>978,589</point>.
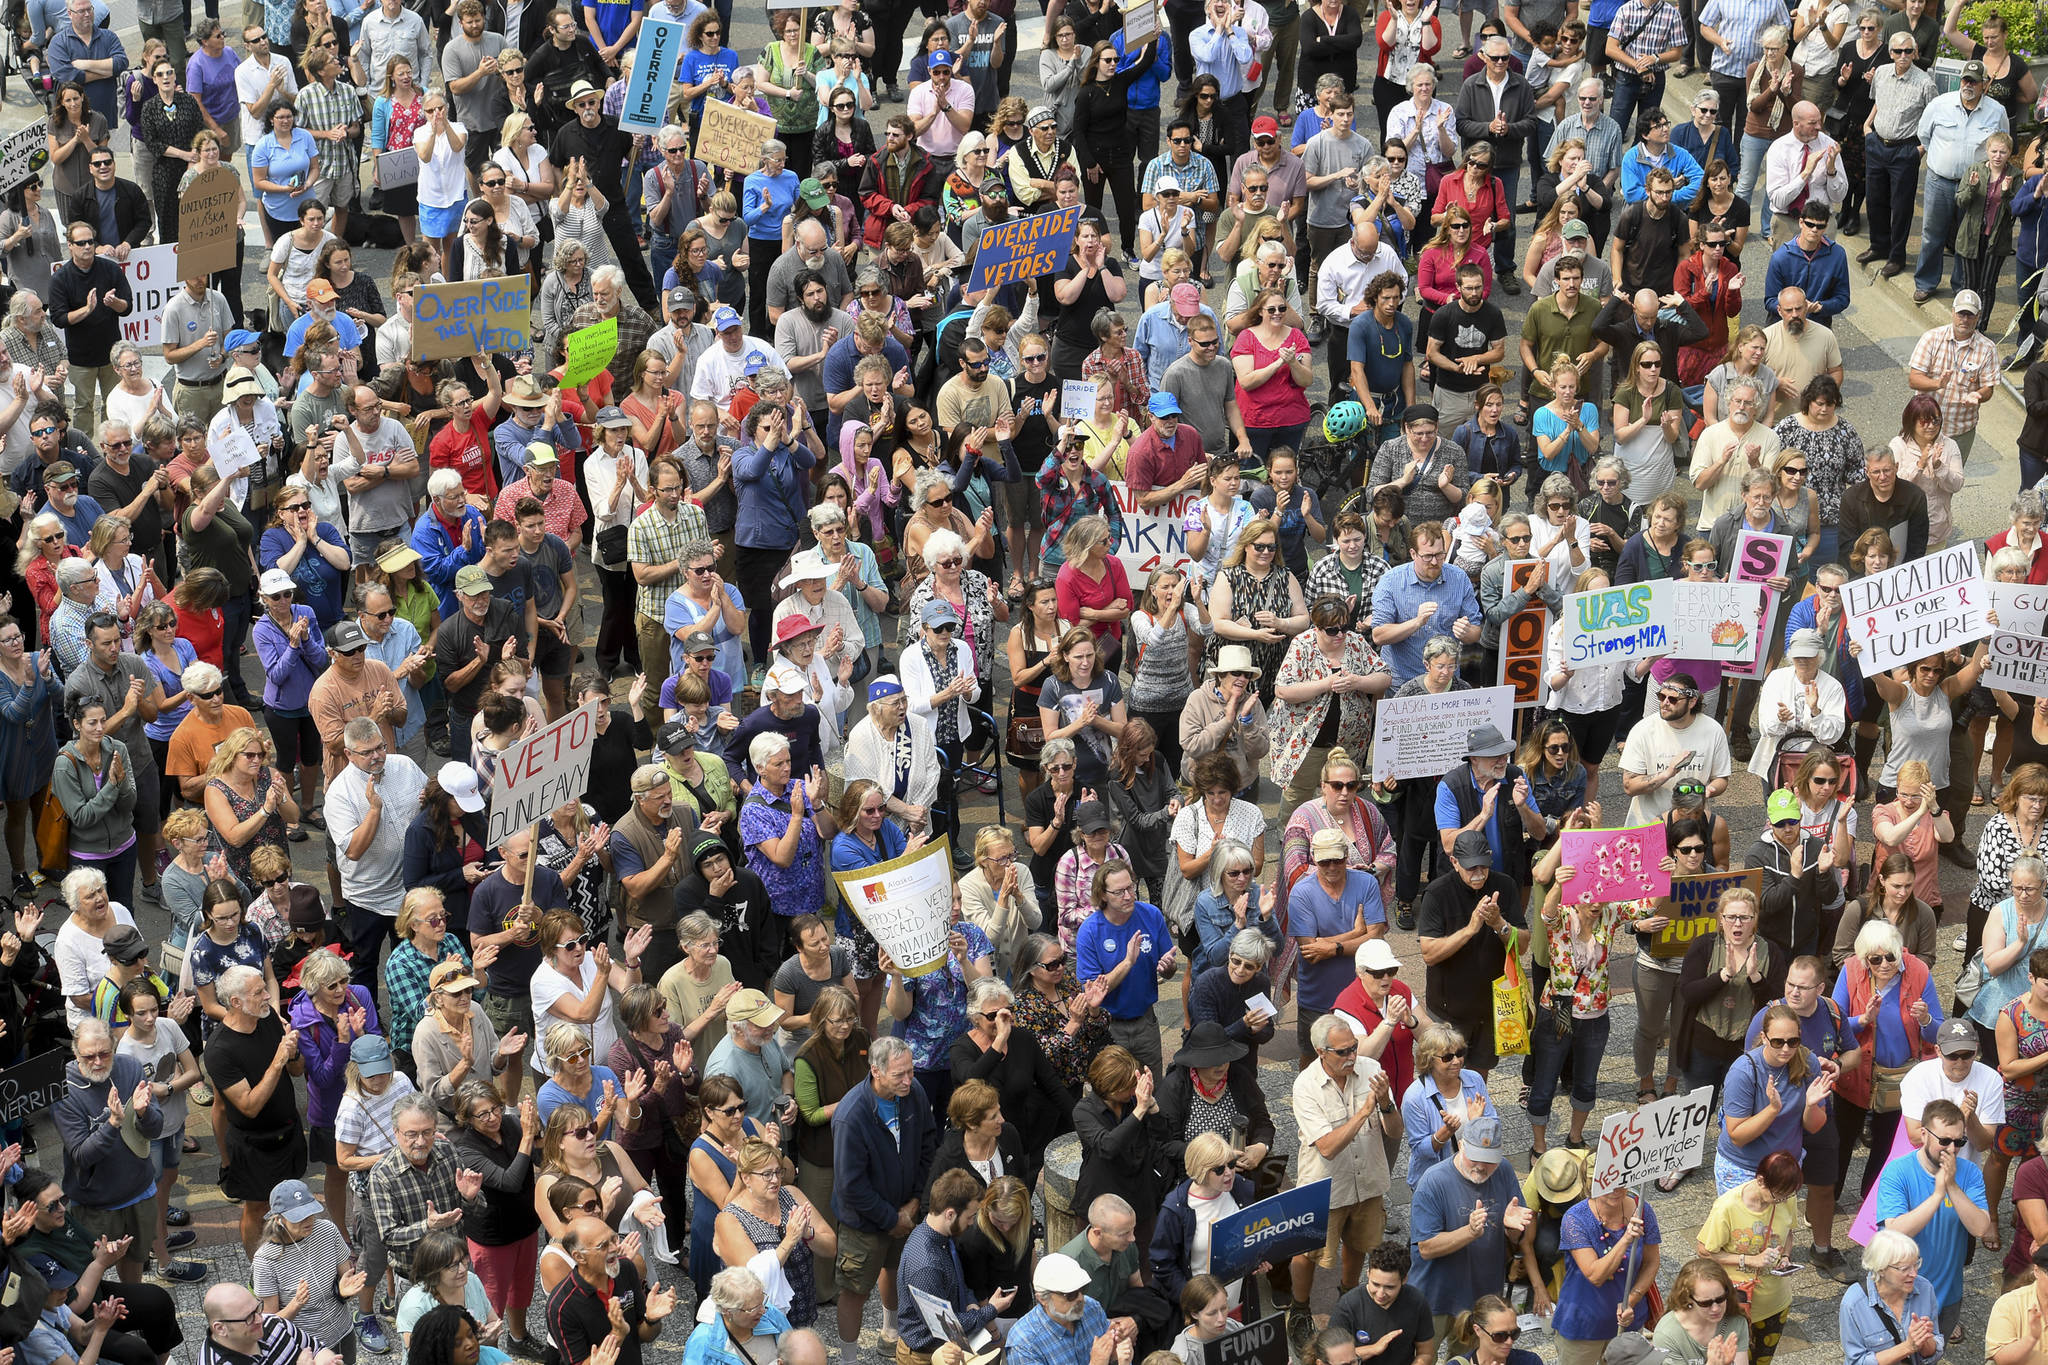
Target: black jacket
<point>2034,435</point>
<point>1789,911</point>
<point>744,917</point>
<point>1123,1155</point>
<point>1696,987</point>
<point>1474,107</point>
<point>952,1156</point>
<point>89,341</point>
<point>133,217</point>
<point>989,1265</point>
<point>1615,324</point>
<point>1033,1097</point>
<point>1177,1097</point>
<point>1861,510</point>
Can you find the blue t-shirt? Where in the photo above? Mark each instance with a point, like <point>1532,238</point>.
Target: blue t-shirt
<point>1585,1311</point>
<point>1905,1184</point>
<point>287,164</point>
<point>1447,817</point>
<point>697,67</point>
<point>1742,1097</point>
<point>1384,351</point>
<point>323,587</point>
<point>1100,946</point>
<point>1443,1202</point>
<point>552,1095</point>
<point>1312,913</point>
<point>347,333</point>
<point>613,16</point>
<point>1548,423</point>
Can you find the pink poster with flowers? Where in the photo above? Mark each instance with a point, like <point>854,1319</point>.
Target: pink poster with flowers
<point>1614,865</point>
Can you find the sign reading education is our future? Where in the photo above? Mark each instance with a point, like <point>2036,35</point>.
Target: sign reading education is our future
<point>1922,607</point>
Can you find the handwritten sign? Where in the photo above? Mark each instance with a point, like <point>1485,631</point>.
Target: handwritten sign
<point>1707,621</point>
<point>1653,1140</point>
<point>2017,664</point>
<point>1920,608</point>
<point>1023,248</point>
<point>1260,1343</point>
<point>907,904</point>
<point>471,317</point>
<point>231,447</point>
<point>731,136</point>
<point>2022,607</point>
<point>1691,907</point>
<point>1614,864</point>
<point>1522,638</point>
<point>1077,399</point>
<point>659,52</point>
<point>32,1086</point>
<point>541,772</point>
<point>1425,735</point>
<point>1157,539</point>
<point>24,153</point>
<point>397,168</point>
<point>1141,23</point>
<point>208,225</point>
<point>1273,1229</point>
<point>587,350</point>
<point>1759,555</point>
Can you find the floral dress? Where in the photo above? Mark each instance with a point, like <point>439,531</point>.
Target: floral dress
<point>1834,460</point>
<point>978,620</point>
<point>938,1009</point>
<point>1248,597</point>
<point>1583,963</point>
<point>270,834</point>
<point>1296,724</point>
<point>2020,1134</point>
<point>798,889</point>
<point>1046,1020</point>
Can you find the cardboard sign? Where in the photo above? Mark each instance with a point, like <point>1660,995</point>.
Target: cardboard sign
<point>1691,906</point>
<point>1152,540</point>
<point>1260,1343</point>
<point>731,136</point>
<point>907,904</point>
<point>208,226</point>
<point>472,317</point>
<point>2022,607</point>
<point>398,167</point>
<point>1708,621</point>
<point>587,350</point>
<point>1658,1139</point>
<point>1521,640</point>
<point>1611,865</point>
<point>540,772</point>
<point>1022,248</point>
<point>1758,555</point>
<point>1273,1229</point>
<point>24,153</point>
<point>32,1086</point>
<point>658,53</point>
<point>1424,736</point>
<point>1920,608</point>
<point>1077,399</point>
<point>1141,23</point>
<point>2017,664</point>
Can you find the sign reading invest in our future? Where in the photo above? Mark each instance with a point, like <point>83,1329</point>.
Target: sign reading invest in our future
<point>472,317</point>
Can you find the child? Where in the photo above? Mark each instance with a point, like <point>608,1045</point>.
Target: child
<point>166,1056</point>
<point>1472,538</point>
<point>363,1132</point>
<point>60,1328</point>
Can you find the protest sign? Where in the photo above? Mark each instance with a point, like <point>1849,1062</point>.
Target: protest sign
<point>152,275</point>
<point>2017,664</point>
<point>471,317</point>
<point>1690,906</point>
<point>1759,555</point>
<point>1522,638</point>
<point>30,1087</point>
<point>208,227</point>
<point>398,168</point>
<point>1614,864</point>
<point>1657,1139</point>
<point>541,772</point>
<point>907,904</point>
<point>1273,1229</point>
<point>24,153</point>
<point>1866,1217</point>
<point>2022,607</point>
<point>1920,608</point>
<point>1077,399</point>
<point>1152,540</point>
<point>1707,621</point>
<point>231,448</point>
<point>943,1322</point>
<point>731,136</point>
<point>655,58</point>
<point>1141,23</point>
<point>1260,1343</point>
<point>1022,248</point>
<point>587,350</point>
<point>1424,735</point>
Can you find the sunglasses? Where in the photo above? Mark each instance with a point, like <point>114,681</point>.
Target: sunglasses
<point>1219,1170</point>
<point>731,1109</point>
<point>1950,1142</point>
<point>580,1131</point>
<point>1342,786</point>
<point>1784,1042</point>
<point>1513,1333</point>
<point>1692,850</point>
<point>1710,1303</point>
<point>1451,1055</point>
<point>1876,959</point>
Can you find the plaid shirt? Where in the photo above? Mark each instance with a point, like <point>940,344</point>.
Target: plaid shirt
<point>400,1193</point>
<point>45,349</point>
<point>654,539</point>
<point>1941,355</point>
<point>1126,376</point>
<point>406,973</point>
<point>322,109</point>
<point>1071,880</point>
<point>1038,1340</point>
<point>1064,503</point>
<point>1660,31</point>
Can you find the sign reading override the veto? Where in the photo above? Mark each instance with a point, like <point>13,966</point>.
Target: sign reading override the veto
<point>1024,249</point>
<point>472,317</point>
<point>541,772</point>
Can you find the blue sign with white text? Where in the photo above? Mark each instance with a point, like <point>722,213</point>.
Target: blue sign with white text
<point>659,52</point>
<point>1271,1230</point>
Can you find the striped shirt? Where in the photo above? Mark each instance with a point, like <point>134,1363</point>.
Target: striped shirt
<point>1741,23</point>
<point>281,1344</point>
<point>317,1259</point>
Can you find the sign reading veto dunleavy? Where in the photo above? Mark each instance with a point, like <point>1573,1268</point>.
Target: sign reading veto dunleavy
<point>1714,622</point>
<point>1614,864</point>
<point>907,904</point>
<point>1424,735</point>
<point>24,153</point>
<point>1759,556</point>
<point>1653,1140</point>
<point>1259,1343</point>
<point>1922,607</point>
<point>1289,1223</point>
<point>655,58</point>
<point>587,350</point>
<point>398,168</point>
<point>540,772</point>
<point>1691,908</point>
<point>208,226</point>
<point>731,136</point>
<point>472,317</point>
<point>1024,249</point>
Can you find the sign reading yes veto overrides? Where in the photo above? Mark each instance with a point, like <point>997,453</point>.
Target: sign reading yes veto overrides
<point>1922,607</point>
<point>1023,248</point>
<point>1661,1138</point>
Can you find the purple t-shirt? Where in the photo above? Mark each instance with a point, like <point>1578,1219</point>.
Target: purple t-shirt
<point>211,81</point>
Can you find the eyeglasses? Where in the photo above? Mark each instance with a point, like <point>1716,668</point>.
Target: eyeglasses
<point>1351,1051</point>
<point>1692,850</point>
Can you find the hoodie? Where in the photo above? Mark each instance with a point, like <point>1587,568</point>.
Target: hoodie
<point>326,1056</point>
<point>1789,908</point>
<point>101,1171</point>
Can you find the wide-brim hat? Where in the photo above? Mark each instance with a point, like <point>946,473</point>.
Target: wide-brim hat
<point>1560,1176</point>
<point>1232,659</point>
<point>581,90</point>
<point>1208,1045</point>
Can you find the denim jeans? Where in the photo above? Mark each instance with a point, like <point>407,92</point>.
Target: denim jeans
<point>1586,1046</point>
<point>661,254</point>
<point>1754,149</point>
<point>1890,176</point>
<point>1633,93</point>
<point>1937,225</point>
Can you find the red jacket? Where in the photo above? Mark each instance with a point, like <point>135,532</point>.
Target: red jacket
<point>1490,205</point>
<point>918,190</point>
<point>1383,35</point>
<point>1854,1085</point>
<point>2038,572</point>
<point>1717,307</point>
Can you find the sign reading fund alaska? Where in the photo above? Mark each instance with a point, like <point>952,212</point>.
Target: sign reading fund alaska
<point>541,772</point>
<point>1922,607</point>
<point>1272,1230</point>
<point>1707,621</point>
<point>471,317</point>
<point>1023,248</point>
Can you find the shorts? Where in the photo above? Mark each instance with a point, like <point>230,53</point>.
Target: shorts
<point>338,191</point>
<point>509,1012</point>
<point>1019,505</point>
<point>298,742</point>
<point>362,545</point>
<point>254,1165</point>
<point>441,221</point>
<point>863,1256</point>
<point>1357,1226</point>
<point>167,1151</point>
<point>320,1144</point>
<point>138,1220</point>
<point>507,1271</point>
<point>1821,1163</point>
<point>553,655</point>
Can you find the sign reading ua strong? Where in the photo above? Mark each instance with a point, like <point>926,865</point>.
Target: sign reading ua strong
<point>1289,1223</point>
<point>1024,249</point>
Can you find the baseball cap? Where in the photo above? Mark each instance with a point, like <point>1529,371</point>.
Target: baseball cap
<point>293,1200</point>
<point>1967,301</point>
<point>813,194</point>
<point>1163,404</point>
<point>320,291</point>
<point>724,318</point>
<point>1633,1348</point>
<point>459,781</point>
<point>1575,229</point>
<point>1059,1274</point>
<point>945,59</point>
<point>682,300</point>
<point>397,557</point>
<point>1783,805</point>
<point>1092,817</point>
<point>1470,849</point>
<point>752,1007</point>
<point>540,452</point>
<point>1805,644</point>
<point>786,679</point>
<point>346,637</point>
<point>1973,71</point>
<point>1265,126</point>
<point>1954,1036</point>
<point>1187,300</point>
<point>1166,184</point>
<point>64,471</point>
<point>1331,843</point>
<point>611,417</point>
<point>372,1053</point>
<point>939,612</point>
<point>241,339</point>
<point>697,641</point>
<point>275,581</point>
<point>1479,1140</point>
<point>472,581</point>
<point>54,1275</point>
<point>126,945</point>
<point>1374,955</point>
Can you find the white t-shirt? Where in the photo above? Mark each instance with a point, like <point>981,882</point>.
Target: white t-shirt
<point>250,78</point>
<point>1653,743</point>
<point>82,961</point>
<point>160,1063</point>
<point>1926,1082</point>
<point>549,986</point>
<point>443,180</point>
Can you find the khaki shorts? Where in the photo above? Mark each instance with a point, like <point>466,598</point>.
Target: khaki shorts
<point>863,1256</point>
<point>114,1224</point>
<point>1358,1226</point>
<point>509,1012</point>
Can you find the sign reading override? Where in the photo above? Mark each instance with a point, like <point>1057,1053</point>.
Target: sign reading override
<point>1024,249</point>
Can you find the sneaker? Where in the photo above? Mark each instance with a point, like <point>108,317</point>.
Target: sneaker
<point>370,1333</point>
<point>200,1094</point>
<point>183,1237</point>
<point>182,1272</point>
<point>24,886</point>
<point>1404,917</point>
<point>177,1218</point>
<point>1833,1264</point>
<point>1959,942</point>
<point>524,1348</point>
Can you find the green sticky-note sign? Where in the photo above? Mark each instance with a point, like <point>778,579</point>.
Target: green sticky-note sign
<point>586,351</point>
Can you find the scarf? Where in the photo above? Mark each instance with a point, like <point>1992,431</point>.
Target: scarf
<point>1727,1015</point>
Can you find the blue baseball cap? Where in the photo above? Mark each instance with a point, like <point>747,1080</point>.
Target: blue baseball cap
<point>939,58</point>
<point>240,339</point>
<point>371,1054</point>
<point>756,362</point>
<point>724,318</point>
<point>1163,405</point>
<point>54,1275</point>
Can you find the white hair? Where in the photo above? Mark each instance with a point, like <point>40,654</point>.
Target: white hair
<point>610,276</point>
<point>234,983</point>
<point>730,1289</point>
<point>942,544</point>
<point>1879,936</point>
<point>442,482</point>
<point>882,1051</point>
<point>1888,1248</point>
<point>80,881</point>
<point>765,746</point>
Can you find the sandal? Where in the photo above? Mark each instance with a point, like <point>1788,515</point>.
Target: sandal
<point>1666,1184</point>
<point>1983,792</point>
<point>1646,1096</point>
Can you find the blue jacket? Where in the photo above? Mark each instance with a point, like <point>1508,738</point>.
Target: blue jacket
<point>1824,276</point>
<point>441,555</point>
<point>1725,147</point>
<point>1850,675</point>
<point>1215,927</point>
<point>100,1172</point>
<point>1635,171</point>
<point>872,1177</point>
<point>709,1343</point>
<point>2029,207</point>
<point>1173,1239</point>
<point>1144,91</point>
<point>771,485</point>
